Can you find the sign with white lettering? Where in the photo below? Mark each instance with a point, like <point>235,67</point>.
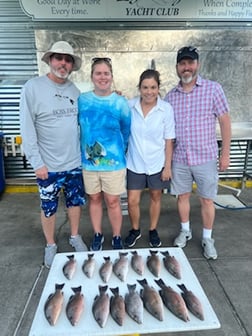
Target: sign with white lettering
<point>138,10</point>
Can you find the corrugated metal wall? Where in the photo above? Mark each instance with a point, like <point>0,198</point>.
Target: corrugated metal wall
<point>18,63</point>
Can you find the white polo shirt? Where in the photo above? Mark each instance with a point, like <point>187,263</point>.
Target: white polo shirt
<point>146,148</point>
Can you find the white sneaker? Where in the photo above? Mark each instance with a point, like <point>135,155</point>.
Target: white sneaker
<point>182,238</point>
<point>78,244</point>
<point>50,252</point>
<point>209,250</point>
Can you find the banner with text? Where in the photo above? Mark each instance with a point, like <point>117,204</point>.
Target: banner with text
<point>138,10</point>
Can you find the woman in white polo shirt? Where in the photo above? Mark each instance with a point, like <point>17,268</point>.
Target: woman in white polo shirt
<point>149,154</point>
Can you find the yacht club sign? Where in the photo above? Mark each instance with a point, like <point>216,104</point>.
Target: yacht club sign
<point>138,10</point>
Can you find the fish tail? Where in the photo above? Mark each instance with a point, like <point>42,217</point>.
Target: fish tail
<point>103,289</point>
<point>160,282</point>
<point>152,252</point>
<point>59,286</point>
<point>115,290</point>
<point>70,257</point>
<point>131,288</point>
<point>143,282</point>
<point>76,289</point>
<point>182,287</point>
<point>123,254</point>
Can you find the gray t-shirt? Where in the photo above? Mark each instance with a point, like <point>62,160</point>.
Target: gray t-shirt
<point>49,124</point>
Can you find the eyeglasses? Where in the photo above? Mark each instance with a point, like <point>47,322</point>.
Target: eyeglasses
<point>190,49</point>
<point>60,57</point>
<point>105,59</point>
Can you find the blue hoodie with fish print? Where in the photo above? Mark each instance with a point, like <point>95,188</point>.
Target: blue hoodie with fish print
<point>104,131</point>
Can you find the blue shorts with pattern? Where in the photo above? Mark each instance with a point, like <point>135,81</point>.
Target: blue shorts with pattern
<point>71,182</point>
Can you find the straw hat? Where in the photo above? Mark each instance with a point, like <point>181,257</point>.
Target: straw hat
<point>62,47</point>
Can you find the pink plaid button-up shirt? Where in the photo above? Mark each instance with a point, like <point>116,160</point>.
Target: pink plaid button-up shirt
<point>195,116</point>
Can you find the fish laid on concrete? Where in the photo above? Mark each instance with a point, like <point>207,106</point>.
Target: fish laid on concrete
<point>70,266</point>
<point>173,301</point>
<point>172,265</point>
<point>192,302</point>
<point>134,304</point>
<point>121,266</point>
<point>137,263</point>
<point>154,263</point>
<point>117,306</point>
<point>88,266</point>
<point>101,307</point>
<point>75,306</point>
<point>152,300</point>
<point>106,269</point>
<point>53,305</point>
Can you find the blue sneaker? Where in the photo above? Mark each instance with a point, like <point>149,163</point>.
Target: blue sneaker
<point>117,243</point>
<point>97,242</point>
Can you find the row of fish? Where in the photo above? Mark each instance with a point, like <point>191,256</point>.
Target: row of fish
<point>54,304</point>
<point>120,266</point>
<point>132,303</point>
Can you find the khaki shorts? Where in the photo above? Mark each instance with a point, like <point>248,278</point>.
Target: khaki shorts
<point>111,182</point>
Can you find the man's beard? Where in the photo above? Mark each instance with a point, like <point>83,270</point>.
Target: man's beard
<point>188,79</point>
<point>57,73</point>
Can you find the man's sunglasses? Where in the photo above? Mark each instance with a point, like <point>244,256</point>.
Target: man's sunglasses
<point>60,57</point>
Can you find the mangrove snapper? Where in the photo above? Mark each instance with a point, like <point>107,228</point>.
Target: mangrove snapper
<point>75,306</point>
<point>192,302</point>
<point>154,263</point>
<point>121,266</point>
<point>173,301</point>
<point>70,266</point>
<point>134,304</point>
<point>117,306</point>
<point>152,300</point>
<point>53,305</point>
<point>106,269</point>
<point>137,263</point>
<point>172,265</point>
<point>88,266</point>
<point>100,308</point>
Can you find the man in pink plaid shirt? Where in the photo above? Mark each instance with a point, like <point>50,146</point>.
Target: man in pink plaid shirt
<point>197,104</point>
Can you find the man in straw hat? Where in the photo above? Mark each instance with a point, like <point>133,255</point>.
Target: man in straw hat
<point>49,129</point>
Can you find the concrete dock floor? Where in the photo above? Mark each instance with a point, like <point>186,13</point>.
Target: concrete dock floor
<point>226,281</point>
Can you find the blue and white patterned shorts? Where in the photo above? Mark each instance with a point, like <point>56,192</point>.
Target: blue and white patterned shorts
<point>71,182</point>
